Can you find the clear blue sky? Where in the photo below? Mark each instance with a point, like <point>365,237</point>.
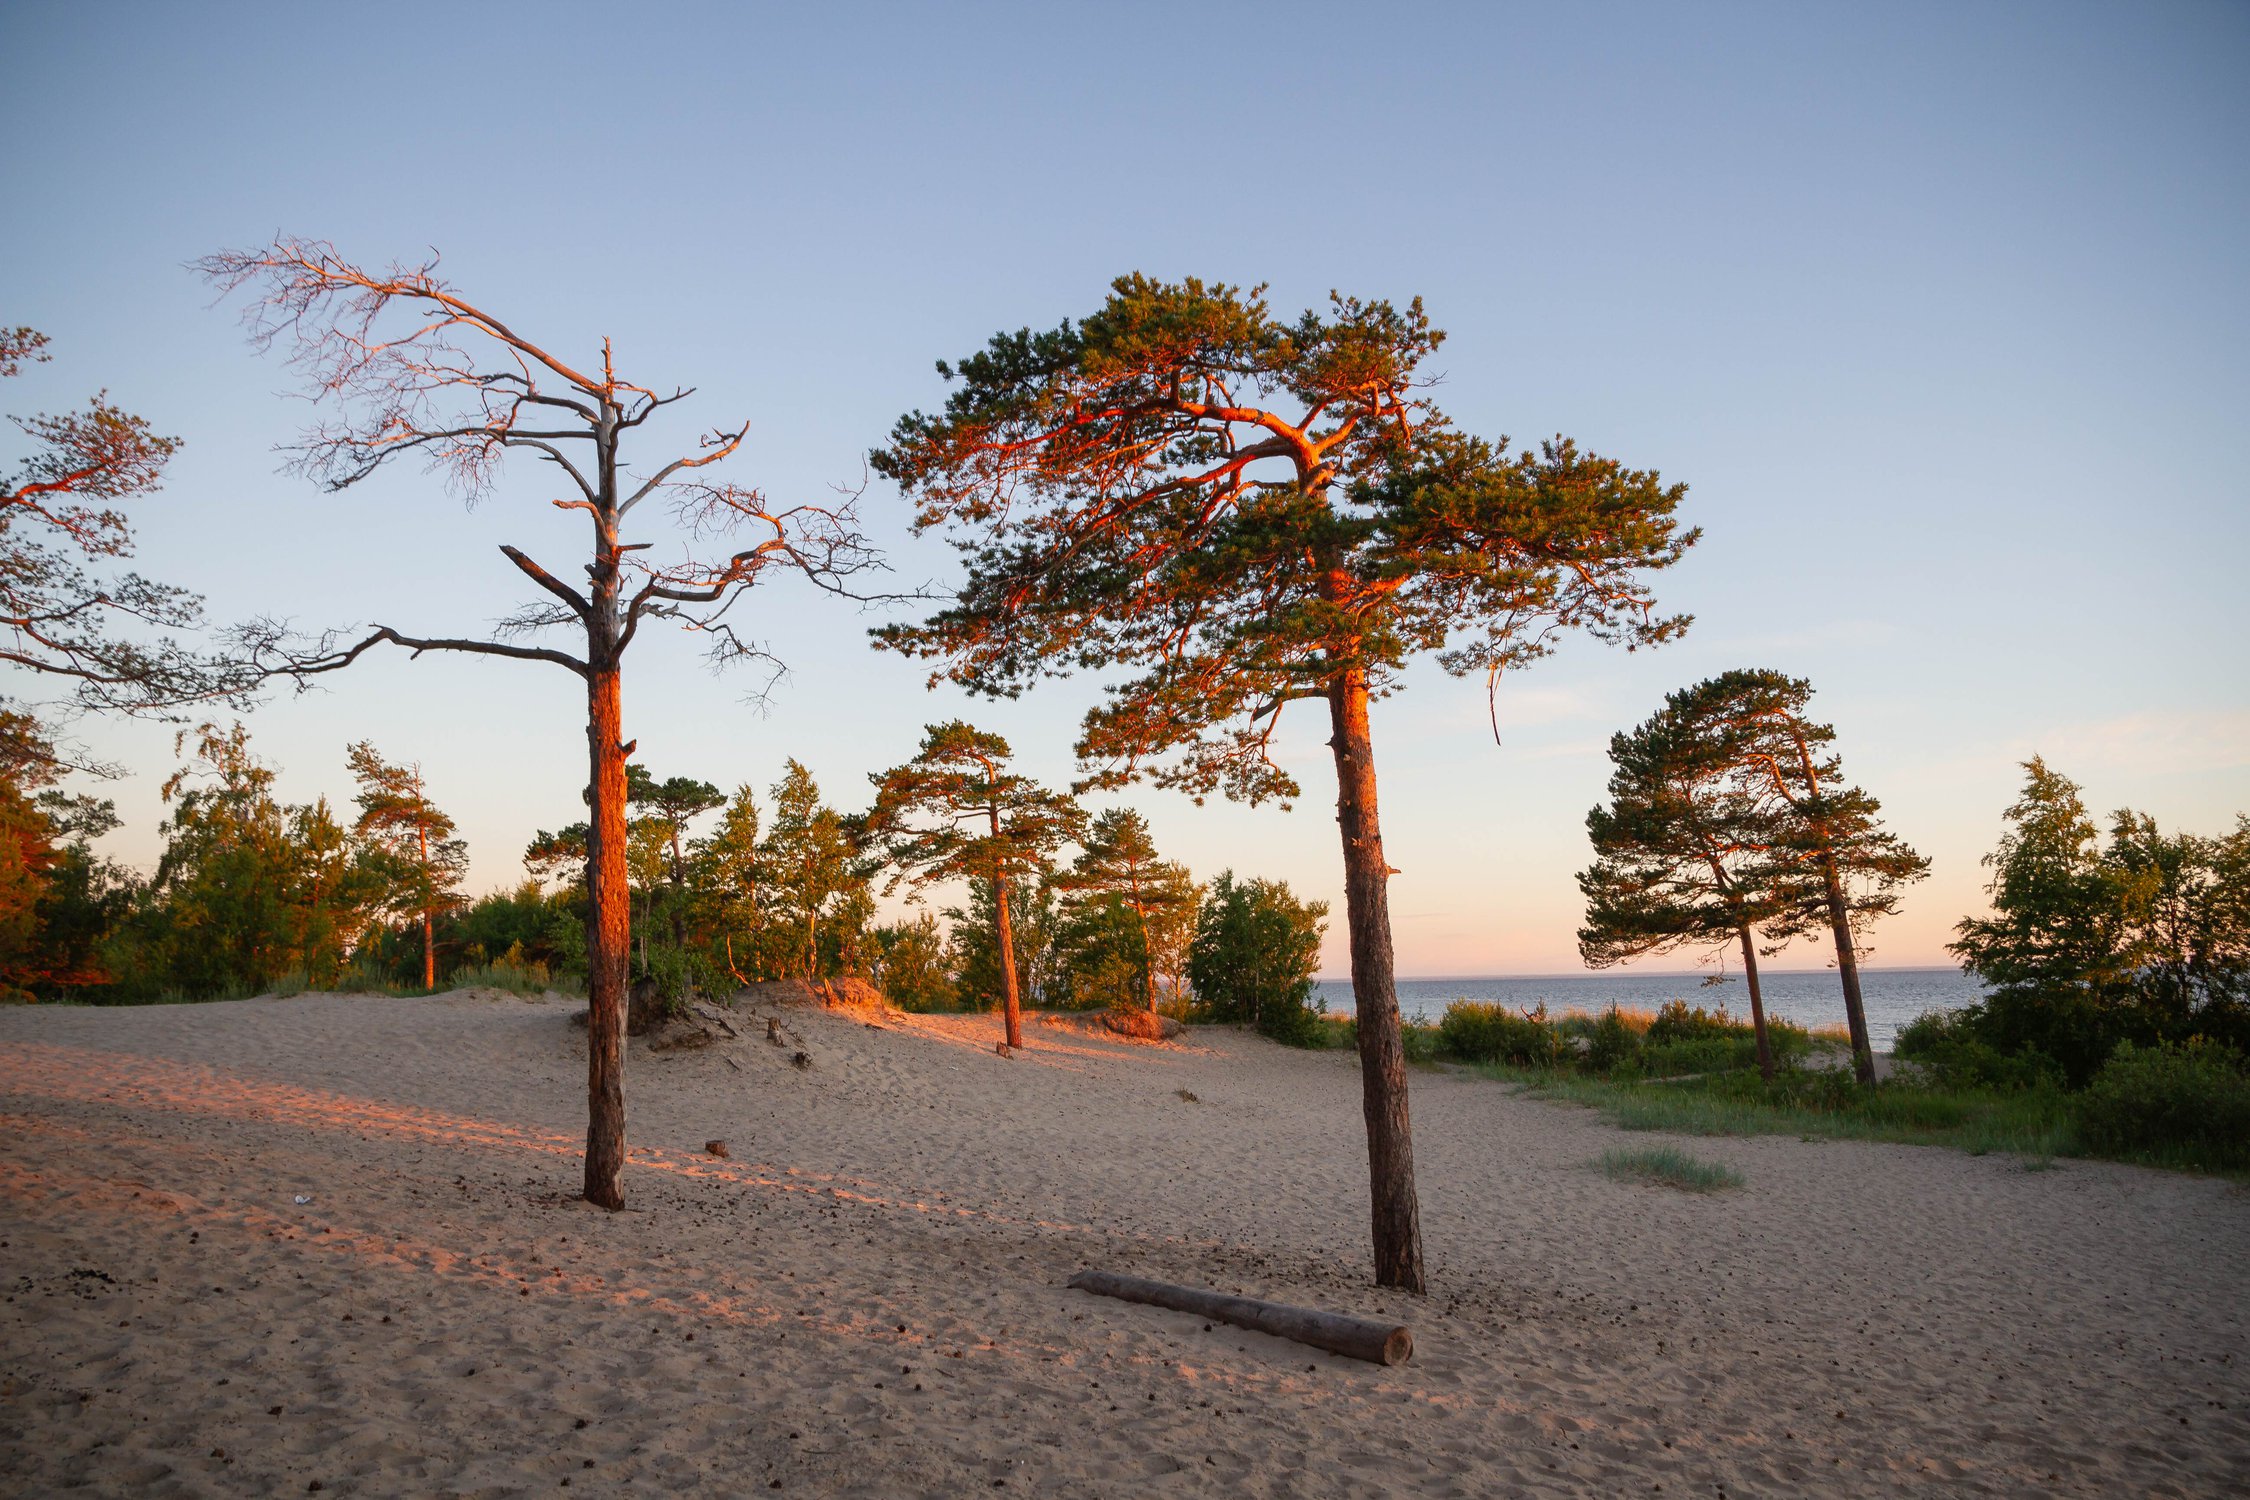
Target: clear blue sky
<point>1941,312</point>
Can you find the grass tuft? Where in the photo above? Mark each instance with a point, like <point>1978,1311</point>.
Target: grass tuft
<point>1668,1166</point>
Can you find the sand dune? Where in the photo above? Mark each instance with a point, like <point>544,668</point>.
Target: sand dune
<point>865,1297</point>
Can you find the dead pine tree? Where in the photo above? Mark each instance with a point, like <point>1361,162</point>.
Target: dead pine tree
<point>410,370</point>
<point>1250,512</point>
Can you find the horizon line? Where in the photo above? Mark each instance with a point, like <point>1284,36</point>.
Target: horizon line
<point>1697,974</point>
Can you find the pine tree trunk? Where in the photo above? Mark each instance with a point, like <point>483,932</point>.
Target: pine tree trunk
<point>429,943</point>
<point>1148,955</point>
<point>1757,1003</point>
<point>679,880</point>
<point>1006,930</point>
<point>1847,965</point>
<point>608,939</point>
<point>1382,1050</point>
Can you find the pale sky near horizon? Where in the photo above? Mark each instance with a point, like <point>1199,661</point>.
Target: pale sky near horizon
<point>1940,312</point>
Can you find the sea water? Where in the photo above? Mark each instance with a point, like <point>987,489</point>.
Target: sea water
<point>1806,997</point>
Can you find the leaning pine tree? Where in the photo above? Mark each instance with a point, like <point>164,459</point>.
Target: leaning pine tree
<point>1248,512</point>
<point>1844,866</point>
<point>1682,852</point>
<point>407,369</point>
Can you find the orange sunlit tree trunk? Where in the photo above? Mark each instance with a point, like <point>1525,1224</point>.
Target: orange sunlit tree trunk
<point>410,369</point>
<point>1253,512</point>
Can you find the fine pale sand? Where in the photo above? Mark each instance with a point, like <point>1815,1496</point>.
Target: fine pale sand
<point>866,1297</point>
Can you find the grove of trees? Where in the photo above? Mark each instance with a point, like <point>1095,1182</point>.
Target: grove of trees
<point>2140,939</point>
<point>1729,821</point>
<point>1219,510</point>
<point>253,893</point>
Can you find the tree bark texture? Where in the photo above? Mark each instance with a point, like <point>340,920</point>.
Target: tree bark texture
<point>1757,1003</point>
<point>608,940</point>
<point>422,843</point>
<point>1005,929</point>
<point>1382,1050</point>
<point>1148,953</point>
<point>1847,965</point>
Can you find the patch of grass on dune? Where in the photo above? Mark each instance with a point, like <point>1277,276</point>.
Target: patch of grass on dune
<point>1818,1106</point>
<point>1668,1166</point>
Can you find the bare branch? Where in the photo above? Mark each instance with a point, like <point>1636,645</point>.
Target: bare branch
<point>548,581</point>
<point>278,654</point>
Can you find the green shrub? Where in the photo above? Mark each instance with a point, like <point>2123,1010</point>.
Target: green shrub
<point>1712,1054</point>
<point>2183,1105</point>
<point>1949,1047</point>
<point>512,972</point>
<point>1680,1022</point>
<point>2068,1023</point>
<point>1611,1044</point>
<point>1474,1031</point>
<point>1296,1025</point>
<point>1420,1041</point>
<point>1323,1031</point>
<point>680,975</point>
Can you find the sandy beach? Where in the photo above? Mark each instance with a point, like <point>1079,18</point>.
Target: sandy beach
<point>865,1297</point>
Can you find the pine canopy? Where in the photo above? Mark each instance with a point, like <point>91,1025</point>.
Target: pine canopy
<point>1240,510</point>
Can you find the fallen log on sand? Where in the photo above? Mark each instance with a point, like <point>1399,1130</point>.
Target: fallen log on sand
<point>1355,1338</point>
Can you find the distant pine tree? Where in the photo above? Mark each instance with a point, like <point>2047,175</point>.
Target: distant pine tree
<point>956,812</point>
